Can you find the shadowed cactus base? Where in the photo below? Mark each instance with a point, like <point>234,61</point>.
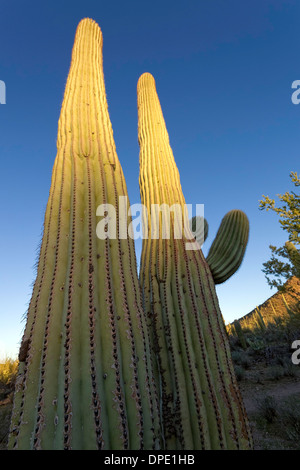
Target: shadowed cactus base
<point>85,379</point>
<point>200,399</point>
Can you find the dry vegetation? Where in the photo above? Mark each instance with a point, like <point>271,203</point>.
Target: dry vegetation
<point>8,371</point>
<point>269,380</point>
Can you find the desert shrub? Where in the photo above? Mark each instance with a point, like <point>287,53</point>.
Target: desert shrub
<point>256,378</point>
<point>236,356</point>
<point>5,416</point>
<point>239,372</point>
<point>241,358</point>
<point>256,343</point>
<point>268,408</point>
<point>290,416</point>
<point>8,371</point>
<point>275,372</point>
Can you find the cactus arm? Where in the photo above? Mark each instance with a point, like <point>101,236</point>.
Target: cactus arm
<point>201,403</point>
<point>228,248</point>
<point>86,381</point>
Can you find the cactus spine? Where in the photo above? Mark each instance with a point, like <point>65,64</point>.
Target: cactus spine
<point>201,402</point>
<point>85,380</point>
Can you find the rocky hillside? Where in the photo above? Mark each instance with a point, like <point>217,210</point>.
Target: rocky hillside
<point>274,309</point>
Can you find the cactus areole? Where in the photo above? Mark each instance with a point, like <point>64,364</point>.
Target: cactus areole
<point>200,399</point>
<point>85,377</point>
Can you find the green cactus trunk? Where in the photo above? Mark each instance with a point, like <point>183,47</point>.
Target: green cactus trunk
<point>201,402</point>
<point>85,379</point>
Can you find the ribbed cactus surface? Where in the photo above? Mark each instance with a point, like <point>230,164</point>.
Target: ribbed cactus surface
<point>85,379</point>
<point>228,248</point>
<point>201,402</point>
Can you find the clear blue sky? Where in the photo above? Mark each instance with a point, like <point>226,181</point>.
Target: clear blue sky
<point>223,71</point>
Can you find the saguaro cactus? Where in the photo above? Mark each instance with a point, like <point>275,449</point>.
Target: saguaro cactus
<point>201,403</point>
<point>85,379</point>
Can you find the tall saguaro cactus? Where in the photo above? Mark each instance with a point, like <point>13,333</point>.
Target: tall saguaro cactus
<point>294,256</point>
<point>85,379</point>
<point>201,403</point>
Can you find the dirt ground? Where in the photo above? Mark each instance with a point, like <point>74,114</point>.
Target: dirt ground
<point>273,432</point>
